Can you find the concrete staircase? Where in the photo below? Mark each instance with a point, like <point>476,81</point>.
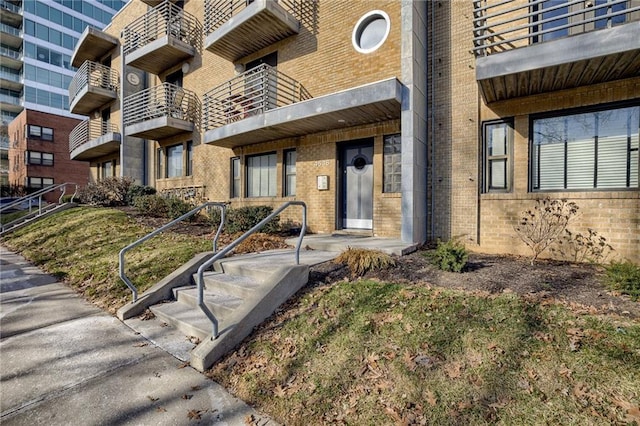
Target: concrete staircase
<point>241,291</point>
<point>35,215</point>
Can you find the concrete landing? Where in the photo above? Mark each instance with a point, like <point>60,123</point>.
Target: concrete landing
<point>340,242</point>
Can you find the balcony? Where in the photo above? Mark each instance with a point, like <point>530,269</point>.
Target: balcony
<point>93,139</point>
<point>236,28</point>
<point>11,35</point>
<point>11,58</point>
<point>163,37</point>
<point>529,47</point>
<point>11,79</point>
<point>160,112</point>
<point>263,105</point>
<point>92,45</point>
<point>93,86</point>
<point>11,13</point>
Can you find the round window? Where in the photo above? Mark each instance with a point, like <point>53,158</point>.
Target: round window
<point>371,31</point>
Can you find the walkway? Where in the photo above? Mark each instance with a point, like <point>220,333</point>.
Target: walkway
<point>64,361</point>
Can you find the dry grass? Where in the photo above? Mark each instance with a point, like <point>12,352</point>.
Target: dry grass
<point>361,260</point>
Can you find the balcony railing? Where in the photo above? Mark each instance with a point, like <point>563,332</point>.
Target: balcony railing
<point>93,75</point>
<point>217,12</point>
<point>12,76</point>
<point>10,7</point>
<point>253,92</point>
<point>13,100</point>
<point>165,100</point>
<point>10,30</point>
<point>166,19</point>
<point>501,25</point>
<point>10,53</point>
<point>89,130</point>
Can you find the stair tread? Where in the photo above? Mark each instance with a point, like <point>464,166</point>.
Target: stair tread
<point>217,298</point>
<point>177,314</point>
<point>236,280</point>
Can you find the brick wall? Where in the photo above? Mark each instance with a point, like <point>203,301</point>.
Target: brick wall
<point>63,170</point>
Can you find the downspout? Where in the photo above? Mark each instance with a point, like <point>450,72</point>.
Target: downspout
<point>433,121</point>
<point>122,84</point>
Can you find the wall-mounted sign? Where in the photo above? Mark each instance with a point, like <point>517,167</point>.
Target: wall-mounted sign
<point>133,78</point>
<point>323,183</point>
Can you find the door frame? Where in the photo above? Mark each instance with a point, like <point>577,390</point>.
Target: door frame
<point>341,147</point>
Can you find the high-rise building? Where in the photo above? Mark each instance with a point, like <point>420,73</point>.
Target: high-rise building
<point>37,41</point>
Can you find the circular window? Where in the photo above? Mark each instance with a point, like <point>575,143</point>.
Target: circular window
<point>359,164</point>
<point>371,31</point>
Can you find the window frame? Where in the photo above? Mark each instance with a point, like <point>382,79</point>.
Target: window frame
<point>287,191</point>
<point>570,112</point>
<point>385,177</point>
<point>30,179</point>
<point>168,163</point>
<point>272,191</point>
<point>507,157</point>
<point>41,135</point>
<point>41,162</point>
<point>235,178</point>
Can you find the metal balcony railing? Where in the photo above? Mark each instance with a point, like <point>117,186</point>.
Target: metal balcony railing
<point>10,53</point>
<point>501,25</point>
<point>4,28</point>
<point>13,100</point>
<point>217,12</point>
<point>89,130</point>
<point>93,74</point>
<point>12,76</point>
<point>165,100</point>
<point>166,19</point>
<point>253,92</point>
<point>10,7</point>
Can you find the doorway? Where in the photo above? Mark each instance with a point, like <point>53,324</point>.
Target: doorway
<point>356,198</point>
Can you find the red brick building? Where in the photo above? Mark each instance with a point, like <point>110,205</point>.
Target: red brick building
<point>39,152</point>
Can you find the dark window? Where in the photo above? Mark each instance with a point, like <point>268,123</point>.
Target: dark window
<point>235,177</point>
<point>189,170</point>
<point>290,157</point>
<point>39,158</point>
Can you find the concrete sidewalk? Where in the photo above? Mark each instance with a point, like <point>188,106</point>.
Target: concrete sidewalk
<point>64,361</point>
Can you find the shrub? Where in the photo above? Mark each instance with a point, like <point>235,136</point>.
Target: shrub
<point>151,205</point>
<point>106,193</point>
<point>157,206</point>
<point>451,256</point>
<point>361,260</point>
<point>578,247</point>
<point>137,191</point>
<point>624,277</point>
<point>244,218</point>
<point>541,226</point>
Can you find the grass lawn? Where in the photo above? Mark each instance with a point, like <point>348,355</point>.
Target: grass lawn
<point>367,352</point>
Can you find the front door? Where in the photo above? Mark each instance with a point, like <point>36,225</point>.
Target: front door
<point>357,185</point>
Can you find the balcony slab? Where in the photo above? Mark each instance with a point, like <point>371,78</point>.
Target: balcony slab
<point>92,45</point>
<point>371,103</point>
<point>90,98</point>
<point>160,54</point>
<point>99,147</point>
<point>159,128</point>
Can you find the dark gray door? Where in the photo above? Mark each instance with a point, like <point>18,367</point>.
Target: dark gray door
<point>357,186</point>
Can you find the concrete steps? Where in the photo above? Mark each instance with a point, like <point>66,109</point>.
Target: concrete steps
<point>242,291</point>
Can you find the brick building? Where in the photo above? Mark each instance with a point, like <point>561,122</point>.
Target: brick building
<point>384,117</point>
<point>39,152</point>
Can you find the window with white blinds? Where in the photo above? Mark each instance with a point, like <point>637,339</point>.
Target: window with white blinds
<point>497,150</point>
<point>261,175</point>
<point>593,150</point>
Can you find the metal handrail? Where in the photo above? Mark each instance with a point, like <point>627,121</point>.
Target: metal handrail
<point>93,74</point>
<point>38,194</point>
<point>222,253</point>
<point>499,26</point>
<point>89,130</point>
<point>163,100</point>
<point>217,12</point>
<point>136,243</point>
<point>253,92</point>
<point>166,19</point>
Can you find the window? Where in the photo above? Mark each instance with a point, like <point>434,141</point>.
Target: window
<point>371,31</point>
<point>160,163</point>
<point>174,161</point>
<point>235,177</point>
<point>39,158</point>
<point>39,182</point>
<point>290,157</point>
<point>392,161</point>
<point>583,151</point>
<point>38,132</point>
<point>107,169</point>
<point>189,158</point>
<point>261,175</point>
<point>497,142</point>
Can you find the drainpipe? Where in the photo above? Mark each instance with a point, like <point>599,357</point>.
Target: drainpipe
<point>123,79</point>
<point>433,120</point>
